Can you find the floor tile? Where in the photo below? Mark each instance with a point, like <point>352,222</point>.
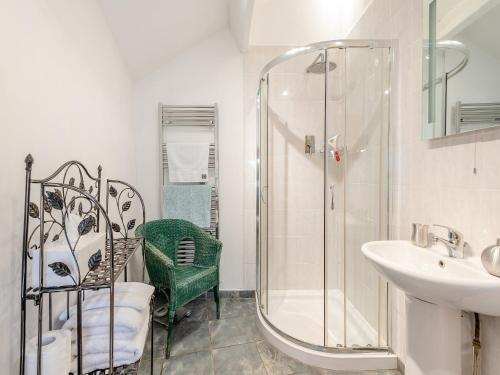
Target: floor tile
<point>233,331</point>
<point>229,346</point>
<point>278,363</point>
<point>145,368</point>
<point>197,309</point>
<point>160,342</point>
<point>211,308</point>
<point>190,337</point>
<point>237,307</point>
<point>199,363</point>
<point>238,359</point>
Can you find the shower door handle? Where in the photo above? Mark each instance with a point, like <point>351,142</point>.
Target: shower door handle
<point>332,193</point>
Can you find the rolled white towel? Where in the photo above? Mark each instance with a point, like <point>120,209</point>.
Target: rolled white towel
<point>132,299</point>
<point>124,317</point>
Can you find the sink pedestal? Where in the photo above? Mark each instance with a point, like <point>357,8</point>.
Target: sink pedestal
<point>433,339</point>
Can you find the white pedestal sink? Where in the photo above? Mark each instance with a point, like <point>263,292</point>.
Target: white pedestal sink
<point>438,288</point>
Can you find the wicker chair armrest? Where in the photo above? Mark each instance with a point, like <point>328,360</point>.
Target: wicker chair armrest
<point>160,267</point>
<point>207,249</point>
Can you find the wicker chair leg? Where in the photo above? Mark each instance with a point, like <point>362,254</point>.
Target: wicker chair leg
<point>217,300</point>
<point>170,332</point>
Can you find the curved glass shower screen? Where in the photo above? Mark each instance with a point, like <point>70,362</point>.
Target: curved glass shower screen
<point>322,193</point>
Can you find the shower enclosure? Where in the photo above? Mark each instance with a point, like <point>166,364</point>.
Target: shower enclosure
<point>323,159</point>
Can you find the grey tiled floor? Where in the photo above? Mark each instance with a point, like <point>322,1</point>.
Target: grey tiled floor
<point>229,346</point>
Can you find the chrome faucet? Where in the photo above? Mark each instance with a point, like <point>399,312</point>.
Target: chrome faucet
<point>421,236</point>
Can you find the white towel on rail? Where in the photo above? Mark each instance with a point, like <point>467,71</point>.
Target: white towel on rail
<point>124,297</point>
<point>96,349</point>
<point>188,162</point>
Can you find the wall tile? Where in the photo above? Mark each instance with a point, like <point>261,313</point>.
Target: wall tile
<point>433,181</point>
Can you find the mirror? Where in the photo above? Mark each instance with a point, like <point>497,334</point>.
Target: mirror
<point>461,66</point>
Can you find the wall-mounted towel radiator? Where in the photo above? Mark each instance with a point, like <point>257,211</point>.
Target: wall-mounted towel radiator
<point>191,119</point>
<point>472,116</point>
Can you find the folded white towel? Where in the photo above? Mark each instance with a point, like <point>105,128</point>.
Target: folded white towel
<point>123,341</point>
<point>188,162</point>
<point>134,300</point>
<point>96,352</point>
<point>124,287</point>
<point>124,317</point>
<point>120,333</point>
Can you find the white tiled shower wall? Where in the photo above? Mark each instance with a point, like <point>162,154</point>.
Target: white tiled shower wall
<point>433,181</point>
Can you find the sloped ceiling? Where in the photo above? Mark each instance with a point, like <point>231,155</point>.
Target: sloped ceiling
<point>151,32</point>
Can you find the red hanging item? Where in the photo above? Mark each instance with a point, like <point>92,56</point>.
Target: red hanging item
<point>337,155</point>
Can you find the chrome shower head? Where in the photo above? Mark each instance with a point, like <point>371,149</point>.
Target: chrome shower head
<point>318,65</point>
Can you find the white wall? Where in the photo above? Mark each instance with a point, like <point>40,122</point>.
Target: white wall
<point>210,72</point>
<point>300,22</point>
<point>65,94</point>
<point>433,181</point>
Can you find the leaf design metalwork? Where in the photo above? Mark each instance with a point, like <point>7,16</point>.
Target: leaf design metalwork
<point>131,224</point>
<point>126,205</point>
<point>45,236</point>
<point>71,181</point>
<point>46,206</point>
<point>72,205</point>
<point>115,227</point>
<point>33,210</point>
<point>86,225</point>
<point>112,191</point>
<point>91,189</point>
<point>81,185</point>
<point>60,269</point>
<point>55,238</point>
<point>55,200</point>
<point>80,209</point>
<point>94,260</point>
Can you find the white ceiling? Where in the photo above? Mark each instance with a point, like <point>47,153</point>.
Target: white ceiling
<point>151,32</point>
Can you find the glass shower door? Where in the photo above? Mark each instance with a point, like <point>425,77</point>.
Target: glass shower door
<point>356,207</point>
<point>295,205</point>
<point>334,199</point>
<point>262,196</point>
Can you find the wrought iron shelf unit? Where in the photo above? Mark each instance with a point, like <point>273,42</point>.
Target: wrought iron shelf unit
<point>61,200</point>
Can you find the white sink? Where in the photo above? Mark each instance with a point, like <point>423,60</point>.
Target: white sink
<point>429,275</point>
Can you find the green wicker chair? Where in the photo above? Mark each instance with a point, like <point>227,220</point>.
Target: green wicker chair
<point>182,283</point>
